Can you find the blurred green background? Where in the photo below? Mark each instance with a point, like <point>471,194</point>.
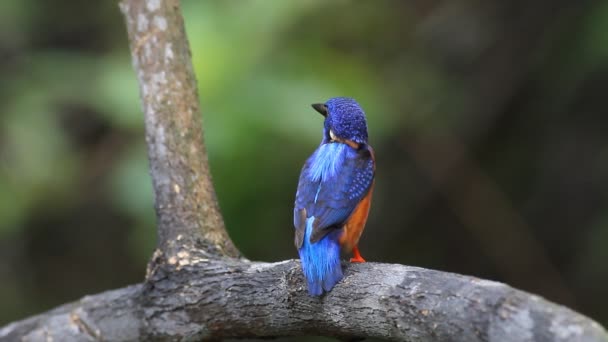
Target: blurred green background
<point>488,119</point>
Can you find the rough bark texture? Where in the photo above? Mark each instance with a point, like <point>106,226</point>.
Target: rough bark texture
<point>200,298</point>
<point>197,289</point>
<point>186,205</point>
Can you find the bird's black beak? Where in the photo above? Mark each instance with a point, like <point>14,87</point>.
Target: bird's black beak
<point>320,107</point>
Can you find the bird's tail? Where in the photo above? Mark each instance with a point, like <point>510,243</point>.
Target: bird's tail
<point>320,261</point>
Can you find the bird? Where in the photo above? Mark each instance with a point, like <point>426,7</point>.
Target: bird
<point>334,194</point>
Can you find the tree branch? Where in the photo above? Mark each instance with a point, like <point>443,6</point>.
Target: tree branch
<point>186,204</point>
<point>199,298</point>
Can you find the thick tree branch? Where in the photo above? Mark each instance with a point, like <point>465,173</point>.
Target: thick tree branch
<point>199,298</point>
<point>185,200</point>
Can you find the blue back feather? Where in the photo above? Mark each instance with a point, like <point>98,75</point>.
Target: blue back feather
<point>321,260</point>
<point>334,180</point>
<point>327,160</point>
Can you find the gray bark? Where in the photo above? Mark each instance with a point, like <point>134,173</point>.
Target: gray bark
<point>185,200</point>
<point>197,297</point>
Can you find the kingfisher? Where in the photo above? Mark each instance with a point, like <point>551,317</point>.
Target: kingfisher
<point>334,194</point>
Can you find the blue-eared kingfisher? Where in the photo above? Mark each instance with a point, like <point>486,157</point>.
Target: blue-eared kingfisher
<point>334,194</point>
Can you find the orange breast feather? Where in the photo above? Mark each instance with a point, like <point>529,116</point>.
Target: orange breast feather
<point>356,223</point>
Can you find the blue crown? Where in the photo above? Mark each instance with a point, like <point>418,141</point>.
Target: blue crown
<point>346,119</point>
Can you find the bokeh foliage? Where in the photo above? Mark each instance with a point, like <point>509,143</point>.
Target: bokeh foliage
<point>481,113</point>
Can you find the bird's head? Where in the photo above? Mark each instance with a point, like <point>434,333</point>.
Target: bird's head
<point>344,121</point>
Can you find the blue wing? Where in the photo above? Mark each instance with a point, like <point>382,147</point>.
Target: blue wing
<point>332,183</point>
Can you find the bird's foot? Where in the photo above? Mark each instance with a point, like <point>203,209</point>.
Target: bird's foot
<point>356,256</point>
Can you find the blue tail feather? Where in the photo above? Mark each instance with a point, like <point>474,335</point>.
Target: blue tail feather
<point>320,261</point>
